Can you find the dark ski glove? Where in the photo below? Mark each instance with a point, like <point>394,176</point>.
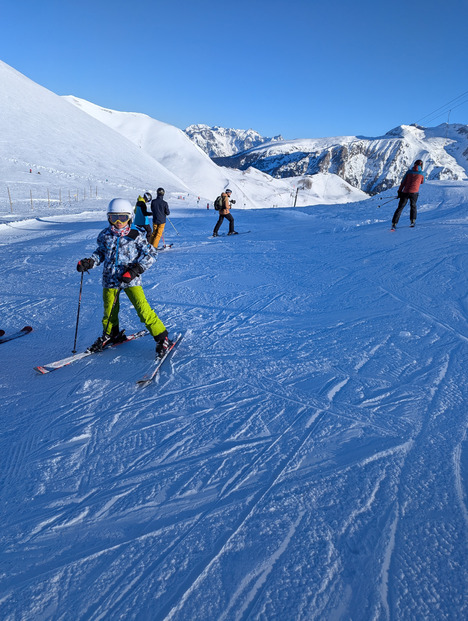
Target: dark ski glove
<point>132,271</point>
<point>85,264</point>
<point>400,194</point>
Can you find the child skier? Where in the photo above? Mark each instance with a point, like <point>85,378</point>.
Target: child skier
<point>125,255</point>
<point>142,215</point>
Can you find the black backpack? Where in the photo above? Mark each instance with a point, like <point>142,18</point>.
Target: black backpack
<point>218,204</point>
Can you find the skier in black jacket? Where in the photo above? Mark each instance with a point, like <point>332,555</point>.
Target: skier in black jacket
<point>160,210</point>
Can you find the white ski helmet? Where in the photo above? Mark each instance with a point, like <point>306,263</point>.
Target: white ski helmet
<point>120,205</point>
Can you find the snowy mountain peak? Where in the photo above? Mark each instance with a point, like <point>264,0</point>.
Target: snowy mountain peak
<point>403,131</point>
<point>222,142</point>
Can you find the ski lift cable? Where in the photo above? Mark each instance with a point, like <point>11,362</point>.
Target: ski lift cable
<point>433,118</point>
<point>444,106</point>
<point>440,108</point>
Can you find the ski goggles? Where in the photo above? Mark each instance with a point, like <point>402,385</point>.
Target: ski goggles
<point>118,218</point>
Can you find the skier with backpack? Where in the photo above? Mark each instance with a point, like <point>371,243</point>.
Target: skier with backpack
<point>142,215</point>
<point>125,255</point>
<point>160,210</point>
<point>223,205</point>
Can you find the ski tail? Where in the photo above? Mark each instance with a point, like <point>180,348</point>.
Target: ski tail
<point>15,335</point>
<point>58,364</point>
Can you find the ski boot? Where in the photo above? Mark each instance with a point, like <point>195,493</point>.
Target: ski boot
<point>233,233</point>
<point>163,344</point>
<point>117,336</point>
<point>412,224</point>
<point>393,227</point>
<point>99,344</point>
<point>215,235</point>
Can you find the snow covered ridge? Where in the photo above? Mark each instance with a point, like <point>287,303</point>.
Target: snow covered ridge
<point>56,149</point>
<point>222,142</point>
<point>370,164</point>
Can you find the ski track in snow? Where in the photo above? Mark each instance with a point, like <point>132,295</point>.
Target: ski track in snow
<point>303,456</point>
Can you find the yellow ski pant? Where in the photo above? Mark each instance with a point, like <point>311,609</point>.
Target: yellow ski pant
<point>137,297</point>
<point>158,230</point>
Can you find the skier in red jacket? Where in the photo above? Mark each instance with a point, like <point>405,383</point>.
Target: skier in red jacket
<point>409,189</point>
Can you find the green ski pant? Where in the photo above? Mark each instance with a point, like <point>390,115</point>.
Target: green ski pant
<point>137,297</point>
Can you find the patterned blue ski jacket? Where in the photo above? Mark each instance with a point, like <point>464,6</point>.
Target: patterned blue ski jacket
<point>118,252</point>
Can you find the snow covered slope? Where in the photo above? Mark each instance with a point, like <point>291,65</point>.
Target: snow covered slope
<point>371,164</point>
<point>175,151</point>
<point>166,144</point>
<point>303,457</point>
<point>54,151</point>
<point>43,132</point>
<point>222,142</point>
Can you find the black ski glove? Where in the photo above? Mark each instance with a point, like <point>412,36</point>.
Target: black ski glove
<point>132,271</point>
<point>233,202</point>
<point>400,194</point>
<point>85,264</point>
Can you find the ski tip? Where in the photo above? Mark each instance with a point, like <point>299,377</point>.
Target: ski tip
<point>41,370</point>
<point>2,332</point>
<point>27,329</point>
<point>144,382</point>
<point>150,377</point>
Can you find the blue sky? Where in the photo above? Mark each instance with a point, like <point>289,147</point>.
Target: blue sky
<point>300,68</point>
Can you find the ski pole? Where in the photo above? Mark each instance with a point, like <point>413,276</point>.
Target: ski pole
<point>173,226</point>
<point>112,309</point>
<point>392,199</point>
<point>78,314</point>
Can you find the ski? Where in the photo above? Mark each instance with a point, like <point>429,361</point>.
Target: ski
<point>151,375</point>
<point>411,226</point>
<point>15,335</point>
<point>227,235</point>
<point>58,364</point>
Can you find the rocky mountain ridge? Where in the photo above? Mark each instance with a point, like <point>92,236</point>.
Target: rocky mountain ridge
<point>222,142</point>
<point>369,164</point>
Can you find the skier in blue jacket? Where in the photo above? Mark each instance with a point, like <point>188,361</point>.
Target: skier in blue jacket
<point>142,215</point>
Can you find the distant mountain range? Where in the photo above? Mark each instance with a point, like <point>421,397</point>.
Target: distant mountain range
<point>369,164</point>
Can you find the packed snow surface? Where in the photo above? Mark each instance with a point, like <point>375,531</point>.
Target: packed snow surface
<point>303,456</point>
